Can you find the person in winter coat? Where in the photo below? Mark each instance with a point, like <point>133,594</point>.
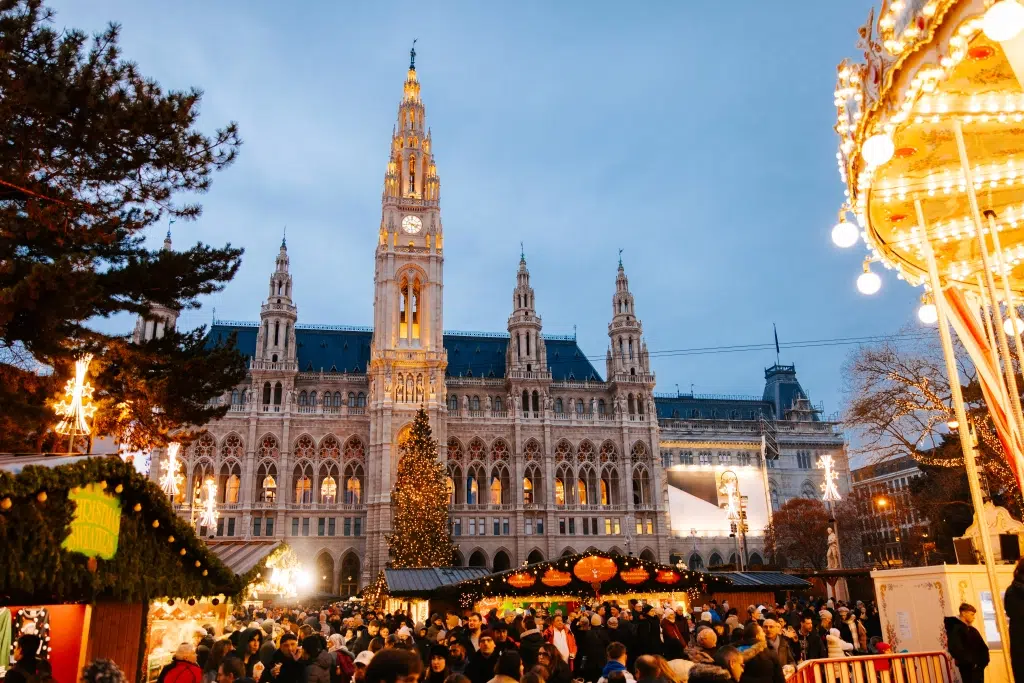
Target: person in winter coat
<point>343,661</point>
<point>28,667</point>
<point>595,653</point>
<point>779,643</point>
<point>530,642</point>
<point>319,662</point>
<point>761,665</point>
<point>616,653</point>
<point>648,633</point>
<point>251,641</point>
<point>675,644</point>
<point>437,669</point>
<point>966,646</point>
<point>508,668</point>
<point>1013,600</point>
<point>480,668</point>
<point>559,635</point>
<point>182,669</point>
<point>809,642</point>
<point>705,644</point>
<point>284,667</point>
<point>558,669</point>
<point>835,645</point>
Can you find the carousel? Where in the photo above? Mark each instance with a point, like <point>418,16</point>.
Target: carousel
<point>931,152</point>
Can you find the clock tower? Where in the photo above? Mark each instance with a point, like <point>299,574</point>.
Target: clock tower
<point>407,356</point>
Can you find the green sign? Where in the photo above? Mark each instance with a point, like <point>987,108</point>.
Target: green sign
<point>96,524</point>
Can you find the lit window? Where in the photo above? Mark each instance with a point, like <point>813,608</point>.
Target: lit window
<point>328,490</point>
<point>353,490</point>
<point>559,491</point>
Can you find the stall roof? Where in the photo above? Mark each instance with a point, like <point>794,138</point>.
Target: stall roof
<point>764,581</point>
<point>423,581</point>
<point>241,556</point>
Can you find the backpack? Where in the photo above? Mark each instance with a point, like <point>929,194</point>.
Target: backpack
<point>343,668</point>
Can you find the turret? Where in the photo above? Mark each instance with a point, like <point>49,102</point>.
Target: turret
<point>627,352</point>
<point>526,351</point>
<point>158,319</point>
<point>275,341</point>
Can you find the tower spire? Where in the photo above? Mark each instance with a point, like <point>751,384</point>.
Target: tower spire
<point>284,238</point>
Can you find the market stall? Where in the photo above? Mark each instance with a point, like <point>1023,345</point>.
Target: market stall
<point>92,545</point>
<point>568,581</point>
<point>419,592</point>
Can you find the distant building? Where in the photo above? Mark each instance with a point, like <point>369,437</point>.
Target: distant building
<point>892,528</point>
<point>544,455</point>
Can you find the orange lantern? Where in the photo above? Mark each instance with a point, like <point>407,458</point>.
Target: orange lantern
<point>522,580</point>
<point>634,576</point>
<point>595,569</point>
<point>554,578</point>
<point>667,576</point>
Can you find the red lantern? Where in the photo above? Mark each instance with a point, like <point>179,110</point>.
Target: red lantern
<point>595,569</point>
<point>522,580</point>
<point>667,576</point>
<point>634,576</point>
<point>554,578</point>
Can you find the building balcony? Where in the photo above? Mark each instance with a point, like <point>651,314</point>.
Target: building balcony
<point>622,377</point>
<point>324,507</point>
<point>529,375</point>
<point>284,366</point>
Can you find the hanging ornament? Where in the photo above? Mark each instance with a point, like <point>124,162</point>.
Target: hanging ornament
<point>667,576</point>
<point>555,578</point>
<point>595,569</point>
<point>522,580</point>
<point>634,576</point>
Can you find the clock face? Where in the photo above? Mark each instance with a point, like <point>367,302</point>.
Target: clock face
<point>412,224</point>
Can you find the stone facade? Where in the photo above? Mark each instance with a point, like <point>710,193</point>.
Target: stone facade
<point>544,456</point>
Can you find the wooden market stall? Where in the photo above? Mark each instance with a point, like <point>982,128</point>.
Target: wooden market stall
<point>419,592</point>
<point>89,545</point>
<point>596,574</point>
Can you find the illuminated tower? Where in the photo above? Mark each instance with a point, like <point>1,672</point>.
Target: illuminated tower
<point>407,357</point>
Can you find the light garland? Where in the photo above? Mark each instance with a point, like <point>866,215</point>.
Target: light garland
<point>830,491</point>
<point>76,409</point>
<point>170,480</point>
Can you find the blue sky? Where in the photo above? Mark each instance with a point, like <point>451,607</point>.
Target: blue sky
<point>695,135</point>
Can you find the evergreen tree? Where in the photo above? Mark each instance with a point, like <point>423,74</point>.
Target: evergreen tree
<point>92,154</point>
<point>419,502</point>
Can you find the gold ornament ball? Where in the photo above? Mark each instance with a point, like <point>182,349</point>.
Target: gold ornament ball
<point>137,507</point>
<point>182,552</point>
<point>205,572</point>
<point>170,539</point>
<point>41,496</point>
<point>156,523</point>
<point>118,489</point>
<point>5,504</point>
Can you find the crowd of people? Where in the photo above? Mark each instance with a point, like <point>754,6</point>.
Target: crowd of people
<point>598,643</point>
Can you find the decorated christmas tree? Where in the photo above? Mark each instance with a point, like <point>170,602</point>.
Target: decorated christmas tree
<point>419,501</point>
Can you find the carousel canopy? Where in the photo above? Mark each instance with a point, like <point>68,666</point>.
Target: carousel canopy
<point>931,66</point>
<point>589,574</point>
<point>95,529</point>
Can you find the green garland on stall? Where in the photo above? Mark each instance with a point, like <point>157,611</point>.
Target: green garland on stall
<point>35,514</point>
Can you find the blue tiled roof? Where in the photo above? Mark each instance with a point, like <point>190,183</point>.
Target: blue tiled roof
<point>347,349</point>
<point>683,407</point>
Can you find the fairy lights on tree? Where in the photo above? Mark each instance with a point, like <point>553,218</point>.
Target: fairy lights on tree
<point>420,536</point>
<point>171,478</point>
<point>76,409</point>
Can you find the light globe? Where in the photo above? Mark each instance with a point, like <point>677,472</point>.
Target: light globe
<point>1013,325</point>
<point>878,148</point>
<point>928,314</point>
<point>845,234</point>
<point>1003,20</point>
<point>869,283</point>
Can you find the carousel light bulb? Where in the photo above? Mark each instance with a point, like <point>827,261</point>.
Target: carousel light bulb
<point>868,282</point>
<point>1013,325</point>
<point>928,314</point>
<point>878,149</point>
<point>1003,20</point>
<point>845,234</point>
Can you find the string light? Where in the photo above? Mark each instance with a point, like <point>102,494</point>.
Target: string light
<point>76,408</point>
<point>170,480</point>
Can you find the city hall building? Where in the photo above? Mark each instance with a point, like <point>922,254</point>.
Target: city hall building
<point>545,453</point>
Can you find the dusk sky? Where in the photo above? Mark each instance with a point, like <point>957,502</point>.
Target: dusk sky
<point>695,135</point>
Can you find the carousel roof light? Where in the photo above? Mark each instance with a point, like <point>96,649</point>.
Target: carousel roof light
<point>878,149</point>
<point>868,282</point>
<point>845,234</point>
<point>1003,21</point>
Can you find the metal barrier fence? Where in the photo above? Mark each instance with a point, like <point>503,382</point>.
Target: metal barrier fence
<point>907,667</point>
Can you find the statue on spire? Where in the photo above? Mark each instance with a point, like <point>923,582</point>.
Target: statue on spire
<point>284,238</point>
<point>620,258</point>
<point>412,56</point>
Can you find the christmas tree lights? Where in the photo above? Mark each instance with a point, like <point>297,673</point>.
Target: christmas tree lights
<point>420,535</point>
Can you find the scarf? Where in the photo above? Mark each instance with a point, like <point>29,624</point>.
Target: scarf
<point>612,666</point>
<point>561,643</point>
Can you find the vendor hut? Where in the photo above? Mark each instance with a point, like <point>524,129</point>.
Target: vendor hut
<point>571,580</point>
<point>421,592</point>
<point>90,545</point>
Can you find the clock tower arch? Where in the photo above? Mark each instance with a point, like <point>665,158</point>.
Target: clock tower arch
<point>407,356</point>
